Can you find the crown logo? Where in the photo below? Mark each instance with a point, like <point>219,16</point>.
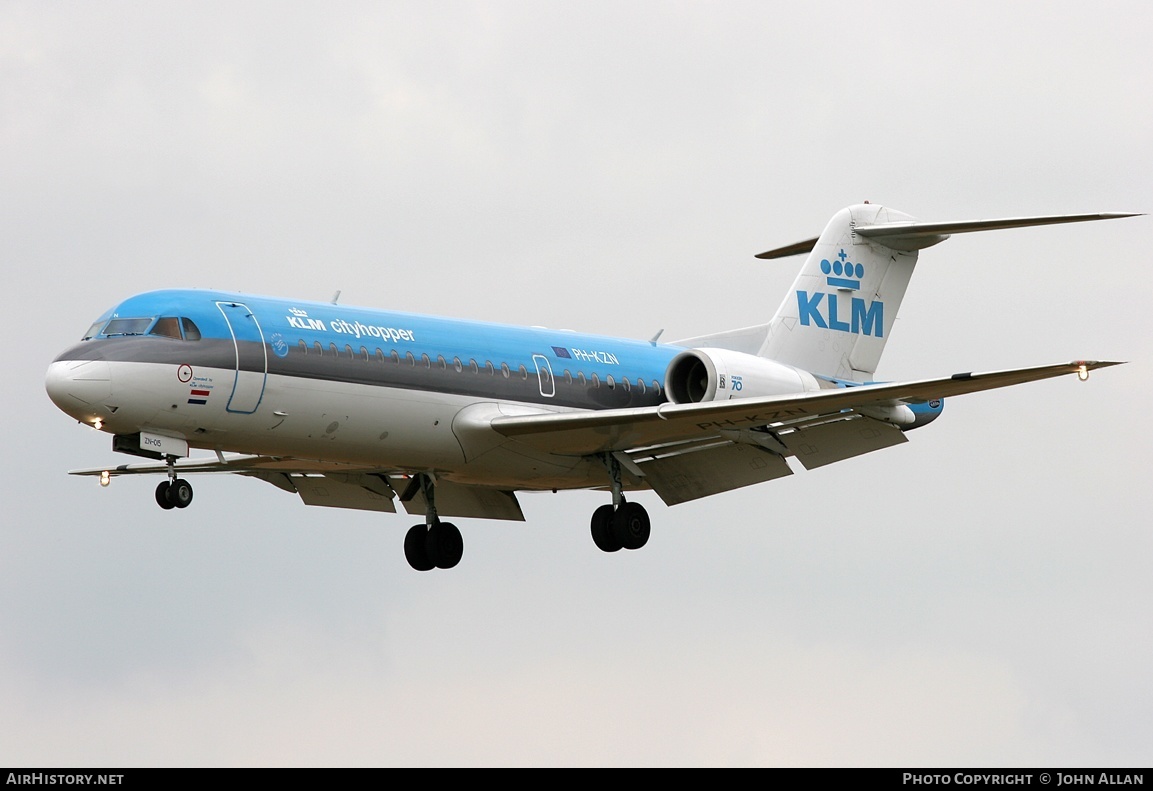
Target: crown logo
<point>843,274</point>
<point>298,312</point>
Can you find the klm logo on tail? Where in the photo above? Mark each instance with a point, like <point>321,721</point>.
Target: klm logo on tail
<point>864,318</point>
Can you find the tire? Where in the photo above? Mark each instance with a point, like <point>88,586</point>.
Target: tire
<point>631,525</point>
<point>602,530</point>
<point>162,496</point>
<point>180,493</point>
<point>445,545</point>
<point>414,548</point>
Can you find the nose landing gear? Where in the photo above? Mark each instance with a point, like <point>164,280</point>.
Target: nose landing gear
<point>175,492</point>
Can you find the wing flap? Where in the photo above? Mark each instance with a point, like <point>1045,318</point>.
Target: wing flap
<point>238,464</point>
<point>702,472</point>
<point>816,446</point>
<point>455,499</point>
<point>333,493</point>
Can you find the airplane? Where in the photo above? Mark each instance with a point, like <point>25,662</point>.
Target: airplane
<point>357,408</point>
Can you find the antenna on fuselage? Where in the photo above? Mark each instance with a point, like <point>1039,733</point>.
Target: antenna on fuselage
<point>336,296</point>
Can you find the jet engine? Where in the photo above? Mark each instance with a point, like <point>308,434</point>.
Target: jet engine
<point>700,375</point>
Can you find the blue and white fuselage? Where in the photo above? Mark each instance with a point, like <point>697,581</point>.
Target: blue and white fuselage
<point>252,374</point>
<point>358,408</point>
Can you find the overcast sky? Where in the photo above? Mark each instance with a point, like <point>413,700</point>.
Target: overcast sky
<point>978,596</point>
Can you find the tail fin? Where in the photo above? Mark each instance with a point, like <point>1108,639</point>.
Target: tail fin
<point>841,309</point>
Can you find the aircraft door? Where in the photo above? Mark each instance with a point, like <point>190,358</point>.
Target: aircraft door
<point>251,357</point>
<point>544,375</point>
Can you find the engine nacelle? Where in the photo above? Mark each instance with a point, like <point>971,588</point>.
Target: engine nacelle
<point>700,375</point>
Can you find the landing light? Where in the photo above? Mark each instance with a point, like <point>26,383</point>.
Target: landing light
<point>97,424</point>
<point>1083,372</point>
<point>105,478</point>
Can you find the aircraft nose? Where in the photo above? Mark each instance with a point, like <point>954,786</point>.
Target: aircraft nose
<point>76,385</point>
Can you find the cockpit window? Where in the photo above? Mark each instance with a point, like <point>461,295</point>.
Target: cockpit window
<point>126,327</point>
<point>178,327</point>
<point>168,326</point>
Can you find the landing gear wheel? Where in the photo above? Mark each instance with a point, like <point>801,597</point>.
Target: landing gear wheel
<point>162,496</point>
<point>415,553</point>
<point>444,545</point>
<point>631,525</point>
<point>180,493</point>
<point>602,530</point>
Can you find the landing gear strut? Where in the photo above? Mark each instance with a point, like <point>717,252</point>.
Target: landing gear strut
<point>434,544</point>
<point>175,492</point>
<point>622,525</point>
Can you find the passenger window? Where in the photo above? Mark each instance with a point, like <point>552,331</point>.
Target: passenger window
<point>364,353</point>
<point>441,362</point>
<point>656,387</point>
<point>581,378</point>
<point>488,369</point>
<point>457,364</point>
<point>523,373</point>
<point>472,366</point>
<point>504,370</point>
<point>395,357</point>
<point>641,385</point>
<point>409,358</point>
<point>335,351</point>
<point>424,358</point>
<point>303,346</point>
<point>567,377</point>
<point>318,347</point>
<point>379,355</point>
<point>625,383</point>
<point>191,331</point>
<point>612,383</point>
<point>351,353</point>
<point>596,381</point>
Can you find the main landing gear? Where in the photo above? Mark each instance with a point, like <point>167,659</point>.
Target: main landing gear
<point>626,527</point>
<point>622,525</point>
<point>175,492</point>
<point>434,544</point>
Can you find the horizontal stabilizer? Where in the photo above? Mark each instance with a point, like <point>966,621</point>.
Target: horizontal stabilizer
<point>918,235</point>
<point>797,248</point>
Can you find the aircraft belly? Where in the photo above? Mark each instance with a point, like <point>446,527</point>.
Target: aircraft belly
<point>330,421</point>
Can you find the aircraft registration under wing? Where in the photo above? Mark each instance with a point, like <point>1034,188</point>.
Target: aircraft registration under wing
<point>353,407</point>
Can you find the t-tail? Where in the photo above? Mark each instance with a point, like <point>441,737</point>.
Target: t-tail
<point>841,309</point>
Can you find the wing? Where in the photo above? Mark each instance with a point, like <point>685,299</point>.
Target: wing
<point>583,433</point>
<point>340,485</point>
<point>686,451</point>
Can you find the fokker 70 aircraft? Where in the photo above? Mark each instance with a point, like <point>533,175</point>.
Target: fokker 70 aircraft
<point>360,408</point>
